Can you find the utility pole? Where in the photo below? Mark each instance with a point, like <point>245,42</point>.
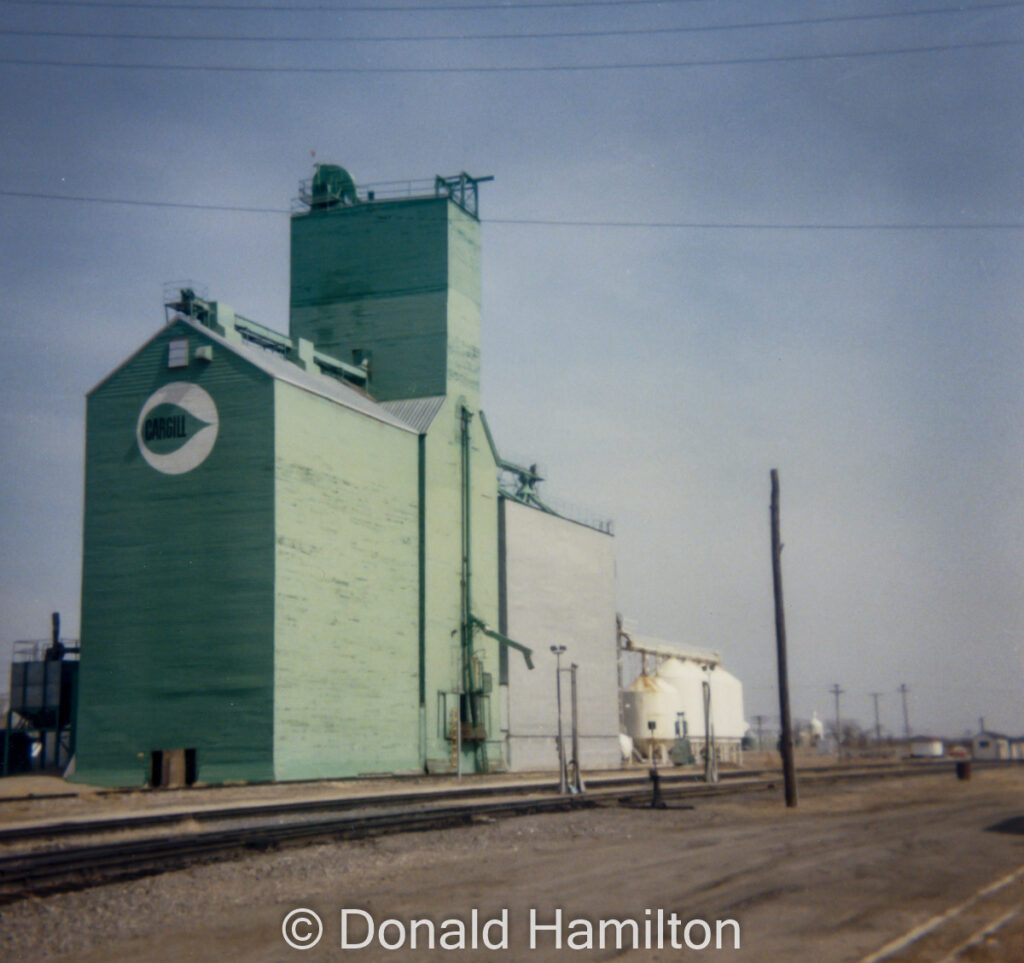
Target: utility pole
<point>903,690</point>
<point>786,736</point>
<point>837,692</point>
<point>878,725</point>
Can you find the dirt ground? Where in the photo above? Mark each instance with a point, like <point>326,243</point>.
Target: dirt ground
<point>851,869</point>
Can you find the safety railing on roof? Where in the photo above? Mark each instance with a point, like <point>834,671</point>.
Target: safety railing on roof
<point>461,188</point>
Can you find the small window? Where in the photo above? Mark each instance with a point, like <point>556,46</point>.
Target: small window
<point>177,353</point>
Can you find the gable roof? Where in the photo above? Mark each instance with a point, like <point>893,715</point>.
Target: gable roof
<point>281,369</point>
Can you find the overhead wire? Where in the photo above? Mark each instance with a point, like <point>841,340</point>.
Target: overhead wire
<point>538,35</point>
<point>519,68</point>
<point>496,7</point>
<point>552,222</point>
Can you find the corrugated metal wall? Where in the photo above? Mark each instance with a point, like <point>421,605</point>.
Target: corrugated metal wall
<point>560,590</point>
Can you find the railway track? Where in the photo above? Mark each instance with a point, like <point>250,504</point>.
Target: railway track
<point>963,929</point>
<point>75,854</point>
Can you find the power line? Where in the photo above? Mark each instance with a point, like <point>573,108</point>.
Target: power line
<point>520,69</point>
<point>540,35</point>
<point>328,8</point>
<point>540,222</point>
<point>755,226</point>
<point>137,203</point>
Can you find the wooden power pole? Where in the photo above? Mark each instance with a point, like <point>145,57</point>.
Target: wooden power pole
<point>786,736</point>
<point>878,725</point>
<point>837,692</point>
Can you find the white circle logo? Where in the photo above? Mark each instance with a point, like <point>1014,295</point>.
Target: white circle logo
<point>177,428</point>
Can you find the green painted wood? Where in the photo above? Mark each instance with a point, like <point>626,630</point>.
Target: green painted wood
<point>443,588</point>
<point>177,579</point>
<point>346,669</point>
<point>284,607</point>
<point>381,279</point>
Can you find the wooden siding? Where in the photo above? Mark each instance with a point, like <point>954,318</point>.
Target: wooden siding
<point>380,278</point>
<point>177,580</point>
<point>346,669</point>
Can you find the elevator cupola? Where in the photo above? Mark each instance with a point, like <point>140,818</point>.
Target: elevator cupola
<point>390,280</point>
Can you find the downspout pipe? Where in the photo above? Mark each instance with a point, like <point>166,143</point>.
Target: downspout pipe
<point>465,416</point>
<point>421,484</point>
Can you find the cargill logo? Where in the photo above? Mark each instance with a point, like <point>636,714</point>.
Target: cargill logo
<point>177,428</point>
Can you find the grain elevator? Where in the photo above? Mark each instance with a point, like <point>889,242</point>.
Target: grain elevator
<point>291,563</point>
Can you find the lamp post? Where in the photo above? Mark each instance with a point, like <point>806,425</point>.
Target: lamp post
<point>563,779</point>
<point>577,776</point>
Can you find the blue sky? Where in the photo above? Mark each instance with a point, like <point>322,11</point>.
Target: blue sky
<point>784,258</point>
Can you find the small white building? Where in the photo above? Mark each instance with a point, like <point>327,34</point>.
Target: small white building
<point>991,745</point>
<point>927,747</point>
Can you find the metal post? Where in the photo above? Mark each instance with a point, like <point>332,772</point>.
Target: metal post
<point>577,776</point>
<point>710,762</point>
<point>563,781</point>
<point>786,736</point>
<point>7,733</point>
<point>458,734</point>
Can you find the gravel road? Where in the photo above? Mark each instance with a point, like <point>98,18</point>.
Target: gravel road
<point>852,868</point>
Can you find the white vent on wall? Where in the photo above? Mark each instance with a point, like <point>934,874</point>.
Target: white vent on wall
<point>177,353</point>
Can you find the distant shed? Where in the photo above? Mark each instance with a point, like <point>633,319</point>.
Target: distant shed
<point>991,745</point>
<point>927,747</point>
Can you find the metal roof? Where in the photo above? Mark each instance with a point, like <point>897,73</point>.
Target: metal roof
<point>281,369</point>
<point>417,413</point>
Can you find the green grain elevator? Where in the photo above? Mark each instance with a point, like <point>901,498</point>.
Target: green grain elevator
<point>290,547</point>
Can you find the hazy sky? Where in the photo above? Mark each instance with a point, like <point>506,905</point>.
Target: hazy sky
<point>707,253</point>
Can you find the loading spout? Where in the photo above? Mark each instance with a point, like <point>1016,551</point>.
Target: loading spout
<point>503,639</point>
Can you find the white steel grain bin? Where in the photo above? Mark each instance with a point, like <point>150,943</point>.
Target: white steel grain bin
<point>687,678</point>
<point>650,699</point>
<point>727,705</point>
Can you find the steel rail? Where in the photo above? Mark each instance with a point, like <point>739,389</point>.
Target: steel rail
<point>41,871</point>
<point>638,779</point>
